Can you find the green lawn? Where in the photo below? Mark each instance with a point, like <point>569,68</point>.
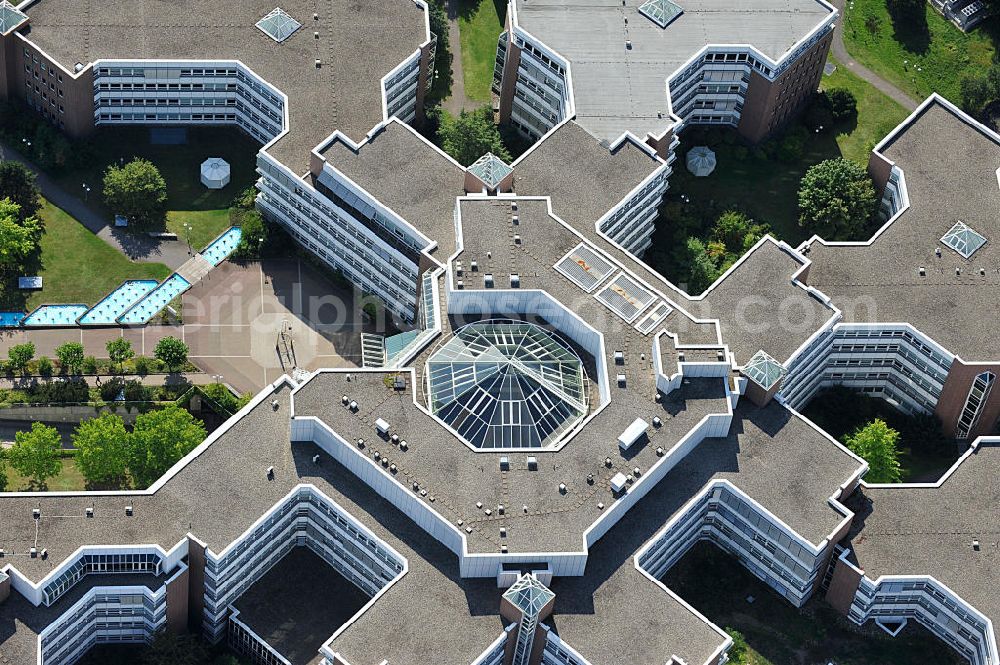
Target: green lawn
<point>78,267</point>
<point>878,114</point>
<point>480,22</point>
<point>921,54</point>
<point>69,479</point>
<point>779,633</point>
<point>205,225</point>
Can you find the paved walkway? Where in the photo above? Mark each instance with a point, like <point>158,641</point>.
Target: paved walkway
<point>142,248</point>
<point>457,102</point>
<point>841,54</point>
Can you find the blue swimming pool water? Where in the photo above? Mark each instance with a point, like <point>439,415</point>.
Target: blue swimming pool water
<point>155,300</point>
<point>11,319</point>
<point>116,303</point>
<point>55,315</point>
<point>223,246</point>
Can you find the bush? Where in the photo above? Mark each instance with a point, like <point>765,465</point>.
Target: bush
<point>819,114</point>
<point>843,104</point>
<point>89,365</point>
<point>793,145</point>
<point>222,396</point>
<point>45,367</point>
<point>254,235</point>
<point>142,365</point>
<point>246,199</point>
<point>61,392</point>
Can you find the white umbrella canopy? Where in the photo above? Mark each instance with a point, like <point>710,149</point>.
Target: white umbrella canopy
<point>700,161</point>
<point>215,173</point>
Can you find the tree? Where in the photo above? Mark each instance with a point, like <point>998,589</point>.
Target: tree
<point>172,352</point>
<point>18,237</point>
<point>102,449</point>
<point>471,135</point>
<point>254,234</point>
<point>702,269</point>
<point>19,355</point>
<point>739,651</point>
<point>3,470</point>
<point>738,232</point>
<point>119,351</point>
<point>17,183</point>
<point>35,454</point>
<point>876,444</point>
<point>136,190</point>
<point>843,104</point>
<point>70,356</point>
<point>159,439</point>
<point>837,200</point>
<point>169,648</point>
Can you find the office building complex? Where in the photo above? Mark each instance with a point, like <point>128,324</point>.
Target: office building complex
<point>509,479</point>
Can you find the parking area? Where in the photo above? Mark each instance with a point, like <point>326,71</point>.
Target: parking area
<point>249,323</point>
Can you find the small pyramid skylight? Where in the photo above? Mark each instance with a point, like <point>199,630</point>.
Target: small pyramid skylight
<point>763,370</point>
<point>278,25</point>
<point>661,12</point>
<point>963,240</point>
<point>529,595</point>
<point>10,17</point>
<point>490,169</point>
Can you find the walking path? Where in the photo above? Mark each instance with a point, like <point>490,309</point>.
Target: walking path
<point>841,54</point>
<point>457,101</point>
<point>136,247</point>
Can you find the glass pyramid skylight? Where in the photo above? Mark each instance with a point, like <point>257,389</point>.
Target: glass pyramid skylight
<point>10,17</point>
<point>763,370</point>
<point>490,169</point>
<point>529,595</point>
<point>278,25</point>
<point>963,240</point>
<point>661,12</point>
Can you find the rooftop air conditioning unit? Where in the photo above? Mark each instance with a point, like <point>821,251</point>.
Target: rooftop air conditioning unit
<point>128,511</point>
<point>488,280</point>
<point>90,512</point>
<point>532,463</point>
<point>618,483</point>
<point>515,281</point>
<point>382,426</point>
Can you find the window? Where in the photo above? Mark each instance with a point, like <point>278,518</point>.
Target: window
<point>978,395</point>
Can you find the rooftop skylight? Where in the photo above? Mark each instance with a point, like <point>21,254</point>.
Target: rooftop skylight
<point>529,595</point>
<point>278,25</point>
<point>490,169</point>
<point>661,12</point>
<point>10,17</point>
<point>963,240</point>
<point>763,370</point>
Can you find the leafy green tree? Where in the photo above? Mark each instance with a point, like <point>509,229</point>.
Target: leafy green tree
<point>843,104</point>
<point>254,235</point>
<point>18,237</point>
<point>876,444</point>
<point>471,135</point>
<point>168,648</point>
<point>837,200</point>
<point>119,351</point>
<point>35,454</point>
<point>739,652</point>
<point>102,449</point>
<point>172,352</point>
<point>19,355</point>
<point>70,355</point>
<point>159,439</point>
<point>3,470</point>
<point>17,183</point>
<point>136,190</point>
<point>738,232</point>
<point>702,269</point>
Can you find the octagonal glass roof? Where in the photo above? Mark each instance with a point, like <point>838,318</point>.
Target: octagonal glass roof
<point>507,384</point>
<point>763,370</point>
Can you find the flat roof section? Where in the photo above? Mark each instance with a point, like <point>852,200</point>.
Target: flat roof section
<point>583,178</point>
<point>358,44</point>
<point>299,604</point>
<point>929,530</point>
<point>955,302</point>
<point>409,176</point>
<point>619,89</point>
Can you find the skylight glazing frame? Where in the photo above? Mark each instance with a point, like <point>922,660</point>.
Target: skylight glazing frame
<point>10,17</point>
<point>278,25</point>
<point>963,239</point>
<point>660,12</point>
<point>763,370</point>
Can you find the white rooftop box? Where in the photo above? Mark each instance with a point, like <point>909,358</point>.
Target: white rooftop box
<point>618,483</point>
<point>632,433</point>
<point>382,426</point>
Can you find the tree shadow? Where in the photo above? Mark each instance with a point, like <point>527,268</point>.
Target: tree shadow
<point>909,25</point>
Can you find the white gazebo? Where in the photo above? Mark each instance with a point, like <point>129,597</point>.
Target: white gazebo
<point>700,161</point>
<point>215,173</point>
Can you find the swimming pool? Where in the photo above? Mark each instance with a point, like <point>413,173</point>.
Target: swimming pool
<point>11,319</point>
<point>223,246</point>
<point>106,312</point>
<point>155,300</point>
<point>55,315</point>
